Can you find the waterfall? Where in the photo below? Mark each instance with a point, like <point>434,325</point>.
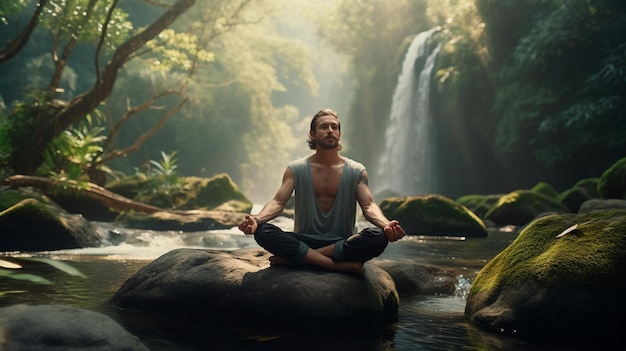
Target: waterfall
<point>406,165</point>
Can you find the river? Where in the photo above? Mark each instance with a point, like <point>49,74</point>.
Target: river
<point>425,322</point>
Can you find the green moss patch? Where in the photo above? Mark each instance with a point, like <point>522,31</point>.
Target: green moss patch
<point>433,215</point>
<point>522,206</point>
<point>612,184</point>
<point>593,253</point>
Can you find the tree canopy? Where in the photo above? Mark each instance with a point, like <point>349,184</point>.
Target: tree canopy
<point>534,87</point>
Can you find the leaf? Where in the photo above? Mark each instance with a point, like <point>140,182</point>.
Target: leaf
<point>10,265</point>
<point>26,277</point>
<point>62,266</point>
<point>568,230</point>
<point>2,293</point>
<point>573,228</point>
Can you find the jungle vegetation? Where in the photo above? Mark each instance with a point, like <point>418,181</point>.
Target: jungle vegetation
<point>93,89</point>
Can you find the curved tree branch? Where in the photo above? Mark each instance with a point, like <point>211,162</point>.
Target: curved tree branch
<point>16,45</point>
<point>50,126</point>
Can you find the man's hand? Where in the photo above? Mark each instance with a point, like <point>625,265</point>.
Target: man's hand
<point>393,231</point>
<point>249,225</point>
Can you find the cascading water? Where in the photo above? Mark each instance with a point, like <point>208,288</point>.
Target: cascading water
<point>406,166</point>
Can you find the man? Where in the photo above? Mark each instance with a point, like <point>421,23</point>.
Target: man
<point>327,187</point>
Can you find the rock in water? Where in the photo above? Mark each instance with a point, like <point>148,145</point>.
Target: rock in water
<point>58,327</point>
<point>240,289</point>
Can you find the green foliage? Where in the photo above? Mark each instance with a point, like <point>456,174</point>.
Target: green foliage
<point>176,51</point>
<point>5,145</point>
<point>75,20</point>
<point>9,269</point>
<point>560,73</point>
<point>75,151</point>
<point>8,8</point>
<point>162,180</point>
<point>21,119</point>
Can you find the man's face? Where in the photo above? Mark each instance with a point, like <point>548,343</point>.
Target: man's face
<point>327,133</point>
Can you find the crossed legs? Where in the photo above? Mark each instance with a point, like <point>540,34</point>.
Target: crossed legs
<point>332,253</point>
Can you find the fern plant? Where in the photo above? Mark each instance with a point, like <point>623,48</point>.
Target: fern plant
<point>162,180</point>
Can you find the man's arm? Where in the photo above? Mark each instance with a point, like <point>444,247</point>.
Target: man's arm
<point>373,213</point>
<point>273,208</point>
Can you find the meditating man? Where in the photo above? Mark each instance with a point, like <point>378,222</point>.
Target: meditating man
<point>327,187</point>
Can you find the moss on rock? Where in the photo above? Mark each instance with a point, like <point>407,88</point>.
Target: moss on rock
<point>433,215</point>
<point>522,206</point>
<point>32,225</point>
<point>479,204</point>
<point>567,284</point>
<point>545,189</point>
<point>10,197</point>
<point>612,184</point>
<point>191,193</point>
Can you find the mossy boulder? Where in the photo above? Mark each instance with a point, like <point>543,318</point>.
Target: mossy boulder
<point>612,183</point>
<point>479,204</point>
<point>433,215</point>
<point>602,204</point>
<point>10,197</point>
<point>573,198</point>
<point>545,189</point>
<point>127,186</point>
<point>189,193</point>
<point>590,185</point>
<point>31,225</point>
<point>582,191</point>
<point>521,206</point>
<point>544,284</point>
<point>91,209</point>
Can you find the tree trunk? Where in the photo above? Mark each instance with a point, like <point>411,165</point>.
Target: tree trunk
<point>93,191</point>
<point>49,126</point>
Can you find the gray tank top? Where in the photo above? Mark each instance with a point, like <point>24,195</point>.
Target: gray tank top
<point>309,218</point>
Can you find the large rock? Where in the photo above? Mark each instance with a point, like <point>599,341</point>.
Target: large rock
<point>568,285</point>
<point>479,204</point>
<point>240,289</point>
<point>582,191</point>
<point>62,328</point>
<point>612,183</point>
<point>191,193</point>
<point>415,279</point>
<point>433,215</point>
<point>521,206</point>
<point>32,225</point>
<point>599,204</point>
<point>545,189</point>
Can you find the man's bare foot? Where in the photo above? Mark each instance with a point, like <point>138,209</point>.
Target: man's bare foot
<point>279,261</point>
<point>350,267</point>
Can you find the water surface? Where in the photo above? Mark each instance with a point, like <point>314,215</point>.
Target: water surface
<point>425,322</point>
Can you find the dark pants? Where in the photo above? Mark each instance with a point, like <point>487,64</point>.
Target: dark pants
<point>360,247</point>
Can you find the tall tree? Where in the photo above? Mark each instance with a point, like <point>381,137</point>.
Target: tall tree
<point>50,117</point>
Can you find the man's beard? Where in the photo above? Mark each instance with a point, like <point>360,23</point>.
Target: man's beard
<point>327,145</point>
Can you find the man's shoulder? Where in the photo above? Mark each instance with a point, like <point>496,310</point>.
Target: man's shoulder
<point>299,163</point>
<point>354,164</point>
